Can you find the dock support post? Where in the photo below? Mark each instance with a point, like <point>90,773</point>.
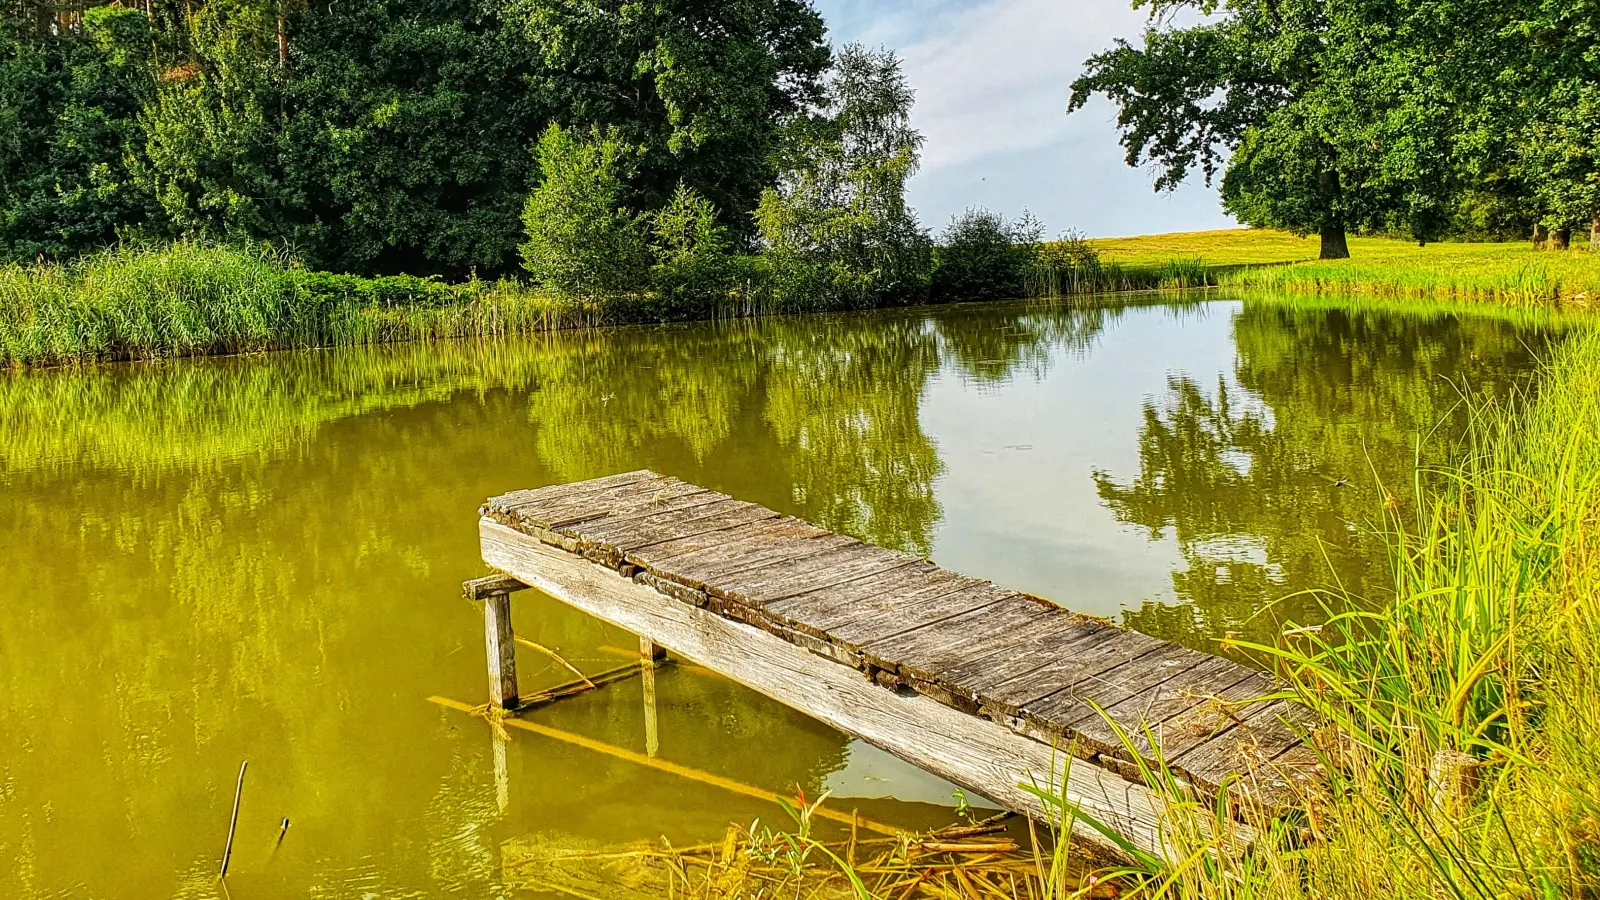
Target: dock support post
<point>500,644</point>
<point>650,655</point>
<point>501,647</point>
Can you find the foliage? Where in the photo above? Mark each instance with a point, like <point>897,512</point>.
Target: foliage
<point>1487,658</point>
<point>702,89</point>
<point>1315,109</point>
<point>375,136</point>
<point>694,267</point>
<point>192,298</point>
<point>981,256</point>
<point>1423,117</point>
<point>581,239</point>
<point>69,106</point>
<point>836,228</point>
<point>392,137</point>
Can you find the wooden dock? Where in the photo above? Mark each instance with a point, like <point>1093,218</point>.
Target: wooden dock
<point>988,687</point>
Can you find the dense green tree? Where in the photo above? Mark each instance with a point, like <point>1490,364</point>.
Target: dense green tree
<point>837,227</point>
<point>581,238</point>
<point>392,137</point>
<point>1323,117</point>
<point>703,88</point>
<point>377,135</point>
<point>69,107</point>
<point>1555,153</point>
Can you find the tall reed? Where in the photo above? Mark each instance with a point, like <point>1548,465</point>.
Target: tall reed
<point>1461,753</point>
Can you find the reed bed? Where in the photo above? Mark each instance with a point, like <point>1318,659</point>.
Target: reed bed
<point>1514,275</point>
<point>195,299</point>
<point>1462,757</point>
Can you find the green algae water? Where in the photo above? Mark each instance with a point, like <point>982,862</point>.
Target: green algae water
<point>204,562</point>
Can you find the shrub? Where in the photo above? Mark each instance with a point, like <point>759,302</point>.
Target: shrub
<point>581,239</point>
<point>837,230</point>
<point>981,256</point>
<point>694,268</point>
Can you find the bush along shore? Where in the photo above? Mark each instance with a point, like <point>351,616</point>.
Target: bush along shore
<point>833,231</point>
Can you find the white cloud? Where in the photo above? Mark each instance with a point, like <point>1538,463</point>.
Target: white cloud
<point>995,77</point>
<point>992,80</point>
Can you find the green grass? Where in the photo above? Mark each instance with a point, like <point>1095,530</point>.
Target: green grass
<point>1486,660</point>
<point>192,299</point>
<point>1279,262</point>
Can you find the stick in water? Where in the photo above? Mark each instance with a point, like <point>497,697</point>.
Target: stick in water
<point>233,823</point>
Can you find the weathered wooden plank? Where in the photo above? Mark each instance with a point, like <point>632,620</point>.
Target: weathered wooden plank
<point>705,553</point>
<point>708,568</point>
<point>628,499</point>
<point>754,587</point>
<point>674,524</point>
<point>1265,734</point>
<point>828,607</point>
<point>979,755</point>
<point>1147,711</point>
<point>1282,781</point>
<point>509,503</point>
<point>1041,691</point>
<point>713,526</point>
<point>858,633</point>
<point>1024,662</point>
<point>921,653</point>
<point>949,681</point>
<point>1135,694</point>
<point>609,539</point>
<point>624,524</point>
<point>1203,716</point>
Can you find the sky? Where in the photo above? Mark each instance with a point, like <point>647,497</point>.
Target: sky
<point>992,79</point>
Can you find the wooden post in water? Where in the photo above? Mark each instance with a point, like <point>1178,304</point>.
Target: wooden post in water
<point>499,642</point>
<point>650,655</point>
<point>502,774</point>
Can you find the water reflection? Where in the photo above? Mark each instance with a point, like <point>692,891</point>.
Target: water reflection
<point>259,558</point>
<point>1277,479</point>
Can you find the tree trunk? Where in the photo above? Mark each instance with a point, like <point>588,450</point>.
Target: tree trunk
<point>1560,238</point>
<point>283,38</point>
<point>1541,235</point>
<point>1594,235</point>
<point>1334,244</point>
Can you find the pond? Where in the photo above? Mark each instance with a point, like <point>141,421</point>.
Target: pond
<point>259,558</point>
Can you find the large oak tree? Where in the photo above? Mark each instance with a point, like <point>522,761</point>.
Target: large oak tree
<point>1321,117</point>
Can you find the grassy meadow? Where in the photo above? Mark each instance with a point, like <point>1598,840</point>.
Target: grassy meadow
<point>1279,262</point>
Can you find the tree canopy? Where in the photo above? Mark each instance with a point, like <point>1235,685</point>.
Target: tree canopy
<point>375,135</point>
<point>1379,116</point>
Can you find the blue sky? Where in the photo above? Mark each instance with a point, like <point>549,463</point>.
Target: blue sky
<point>992,79</point>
